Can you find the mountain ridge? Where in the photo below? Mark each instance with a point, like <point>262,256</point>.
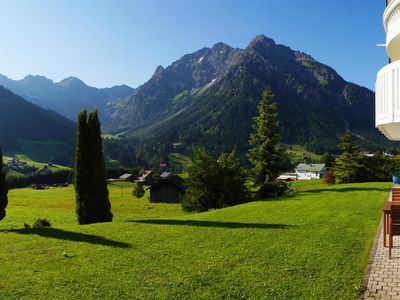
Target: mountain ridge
<point>21,121</point>
<point>67,97</point>
<point>194,103</point>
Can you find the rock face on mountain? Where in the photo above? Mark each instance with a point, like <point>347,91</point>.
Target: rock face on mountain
<point>66,97</point>
<point>159,97</point>
<point>22,120</point>
<point>210,97</point>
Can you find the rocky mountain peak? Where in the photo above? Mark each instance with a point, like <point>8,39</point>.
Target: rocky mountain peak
<point>37,80</point>
<point>261,40</point>
<point>158,70</point>
<point>72,82</point>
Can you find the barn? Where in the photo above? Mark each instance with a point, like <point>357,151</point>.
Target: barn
<point>168,190</point>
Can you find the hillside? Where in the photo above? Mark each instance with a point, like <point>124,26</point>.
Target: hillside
<point>311,245</point>
<point>66,97</point>
<point>210,97</point>
<point>22,121</point>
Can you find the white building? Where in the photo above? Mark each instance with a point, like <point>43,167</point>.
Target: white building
<point>387,89</point>
<point>310,171</point>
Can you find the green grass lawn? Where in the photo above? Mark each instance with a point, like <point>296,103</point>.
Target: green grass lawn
<point>311,245</point>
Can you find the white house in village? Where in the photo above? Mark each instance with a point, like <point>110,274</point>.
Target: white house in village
<point>310,171</point>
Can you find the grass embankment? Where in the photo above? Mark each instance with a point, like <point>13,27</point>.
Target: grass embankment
<point>312,245</point>
<point>42,152</point>
<point>297,152</point>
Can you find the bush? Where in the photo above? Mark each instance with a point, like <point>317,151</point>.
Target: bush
<point>41,223</point>
<point>329,178</point>
<point>272,189</point>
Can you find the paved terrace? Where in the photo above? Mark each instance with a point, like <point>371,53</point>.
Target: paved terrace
<point>383,278</point>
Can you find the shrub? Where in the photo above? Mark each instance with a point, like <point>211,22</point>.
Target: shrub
<point>41,223</point>
<point>272,189</point>
<point>329,178</point>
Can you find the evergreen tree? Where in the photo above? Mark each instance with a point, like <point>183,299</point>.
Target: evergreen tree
<point>92,202</point>
<point>232,180</point>
<point>3,190</point>
<point>202,185</point>
<point>82,169</point>
<point>138,190</point>
<point>99,199</point>
<point>349,165</point>
<point>328,159</point>
<point>214,183</point>
<point>265,153</point>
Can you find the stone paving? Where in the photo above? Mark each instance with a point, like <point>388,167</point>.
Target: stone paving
<point>383,279</point>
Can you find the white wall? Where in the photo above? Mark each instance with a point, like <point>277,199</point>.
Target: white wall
<point>308,175</point>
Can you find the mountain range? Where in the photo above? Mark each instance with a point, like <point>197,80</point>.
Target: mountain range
<point>23,123</point>
<point>66,97</point>
<point>210,98</point>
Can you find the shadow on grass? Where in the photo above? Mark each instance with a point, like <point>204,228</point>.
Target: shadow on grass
<point>347,189</point>
<point>71,236</point>
<point>213,224</point>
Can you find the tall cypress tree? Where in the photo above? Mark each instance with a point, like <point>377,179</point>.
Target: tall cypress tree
<point>100,202</point>
<point>82,169</point>
<point>265,153</point>
<point>3,190</point>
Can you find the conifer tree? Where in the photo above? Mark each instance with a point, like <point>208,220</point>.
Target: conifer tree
<point>138,190</point>
<point>202,185</point>
<point>214,183</point>
<point>99,200</point>
<point>349,165</point>
<point>3,190</point>
<point>232,180</point>
<point>92,202</point>
<point>265,153</point>
<point>82,169</point>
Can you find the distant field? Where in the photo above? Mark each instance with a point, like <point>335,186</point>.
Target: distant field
<point>311,245</point>
<point>297,152</point>
<point>41,152</point>
<point>179,161</point>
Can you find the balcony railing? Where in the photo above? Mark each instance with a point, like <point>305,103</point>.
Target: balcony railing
<point>391,21</point>
<point>387,101</point>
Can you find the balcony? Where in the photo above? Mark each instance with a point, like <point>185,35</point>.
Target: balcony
<point>387,101</point>
<point>391,20</point>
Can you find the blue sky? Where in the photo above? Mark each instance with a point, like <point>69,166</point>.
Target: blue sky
<point>109,42</point>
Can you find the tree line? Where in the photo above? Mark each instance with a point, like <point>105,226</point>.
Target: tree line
<point>224,182</point>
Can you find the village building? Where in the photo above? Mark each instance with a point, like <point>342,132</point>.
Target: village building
<point>310,171</point>
<point>127,177</point>
<point>287,177</point>
<point>168,190</point>
<point>146,178</point>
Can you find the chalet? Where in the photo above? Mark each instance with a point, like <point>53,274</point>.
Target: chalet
<point>310,171</point>
<point>168,190</point>
<point>126,177</point>
<point>44,171</point>
<point>287,177</point>
<point>146,178</point>
<point>165,175</point>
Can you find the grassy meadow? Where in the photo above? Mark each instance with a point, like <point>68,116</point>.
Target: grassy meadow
<point>314,244</point>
